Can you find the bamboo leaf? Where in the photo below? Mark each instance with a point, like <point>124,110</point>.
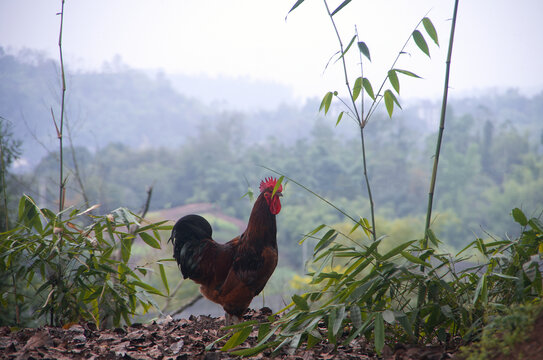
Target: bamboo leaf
<point>313,232</point>
<point>432,236</point>
<point>348,47</point>
<point>238,338</point>
<point>300,302</point>
<point>389,102</point>
<point>298,3</point>
<point>430,29</point>
<point>164,278</point>
<point>277,185</point>
<point>393,78</point>
<point>397,250</point>
<point>536,224</point>
<point>326,240</point>
<point>339,320</point>
<point>481,284</point>
<point>379,332</point>
<point>326,101</point>
<point>339,117</point>
<point>388,316</point>
<point>421,43</point>
<point>519,217</point>
<point>364,49</point>
<point>149,240</point>
<point>408,73</point>
<point>414,259</point>
<point>369,89</point>
<point>357,88</point>
<point>343,4</point>
<point>356,316</point>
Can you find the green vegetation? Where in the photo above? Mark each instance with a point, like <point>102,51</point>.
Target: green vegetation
<point>502,335</point>
<point>74,266</point>
<point>375,269</point>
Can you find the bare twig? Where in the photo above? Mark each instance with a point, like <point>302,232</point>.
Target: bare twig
<point>187,305</point>
<point>62,190</point>
<point>172,294</point>
<point>147,202</point>
<point>77,172</point>
<point>361,124</point>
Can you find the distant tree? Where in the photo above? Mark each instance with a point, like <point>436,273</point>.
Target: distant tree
<point>10,150</point>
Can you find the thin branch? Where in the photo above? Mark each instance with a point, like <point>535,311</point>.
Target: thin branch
<point>77,172</point>
<point>62,190</point>
<point>147,202</point>
<point>361,124</point>
<point>373,106</point>
<point>441,126</point>
<point>187,305</point>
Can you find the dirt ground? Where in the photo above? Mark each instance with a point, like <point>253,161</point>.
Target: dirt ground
<point>187,339</point>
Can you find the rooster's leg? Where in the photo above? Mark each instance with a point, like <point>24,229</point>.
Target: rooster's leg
<point>231,319</point>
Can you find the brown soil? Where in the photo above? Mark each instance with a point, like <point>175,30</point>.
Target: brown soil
<point>175,339</point>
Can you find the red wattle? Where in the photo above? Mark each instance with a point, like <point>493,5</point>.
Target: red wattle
<point>275,205</point>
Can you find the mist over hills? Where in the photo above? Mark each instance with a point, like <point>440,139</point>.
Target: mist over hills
<point>151,109</point>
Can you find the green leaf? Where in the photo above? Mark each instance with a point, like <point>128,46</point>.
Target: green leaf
<point>430,29</point>
<point>421,43</point>
<point>389,102</point>
<point>326,240</point>
<point>393,77</point>
<point>519,217</point>
<point>343,4</point>
<point>356,316</point>
<point>263,330</point>
<point>432,236</point>
<point>480,290</point>
<point>367,86</point>
<point>238,338</point>
<point>326,101</point>
<point>536,224</point>
<point>339,118</point>
<point>388,316</point>
<point>338,320</point>
<point>331,322</point>
<point>277,184</point>
<point>364,49</point>
<point>254,350</point>
<point>298,3</point>
<point>312,232</point>
<point>300,302</point>
<point>397,250</point>
<point>347,48</point>
<point>126,248</point>
<point>210,345</point>
<point>357,88</point>
<point>147,287</point>
<point>379,332</point>
<point>408,73</point>
<point>414,259</point>
<point>149,240</point>
<point>164,278</point>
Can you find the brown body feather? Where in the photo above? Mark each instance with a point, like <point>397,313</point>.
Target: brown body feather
<point>229,274</point>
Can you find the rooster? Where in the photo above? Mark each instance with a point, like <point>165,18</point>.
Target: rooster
<point>231,274</point>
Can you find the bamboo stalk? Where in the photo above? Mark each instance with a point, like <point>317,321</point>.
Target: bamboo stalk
<point>360,122</point>
<point>421,298</point>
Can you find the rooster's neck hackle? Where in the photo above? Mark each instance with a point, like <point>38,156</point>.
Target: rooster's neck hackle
<point>262,227</point>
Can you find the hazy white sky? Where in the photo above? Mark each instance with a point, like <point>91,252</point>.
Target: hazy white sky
<point>499,43</point>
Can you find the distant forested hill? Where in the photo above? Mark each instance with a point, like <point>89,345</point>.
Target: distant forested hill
<point>132,130</point>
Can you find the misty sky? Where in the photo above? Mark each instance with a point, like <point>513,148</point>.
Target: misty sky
<point>498,43</point>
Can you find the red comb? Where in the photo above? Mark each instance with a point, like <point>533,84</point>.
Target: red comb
<point>269,183</point>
